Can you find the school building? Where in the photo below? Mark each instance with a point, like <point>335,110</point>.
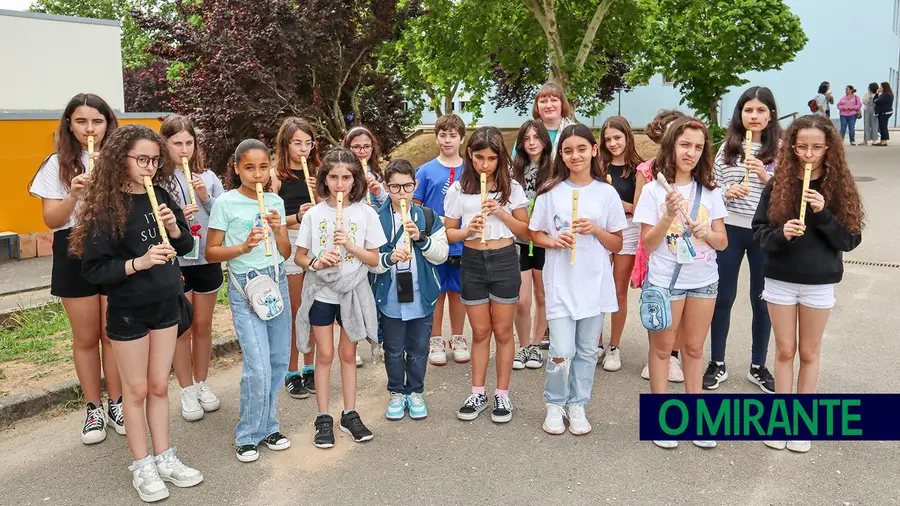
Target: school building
<point>871,54</point>
<point>48,59</point>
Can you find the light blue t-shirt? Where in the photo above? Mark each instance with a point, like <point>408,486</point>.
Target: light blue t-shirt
<point>236,215</point>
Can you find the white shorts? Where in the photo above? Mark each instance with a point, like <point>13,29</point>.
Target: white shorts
<point>630,236</point>
<point>291,268</point>
<point>783,293</point>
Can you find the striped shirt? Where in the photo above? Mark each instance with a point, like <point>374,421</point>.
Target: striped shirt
<point>740,211</point>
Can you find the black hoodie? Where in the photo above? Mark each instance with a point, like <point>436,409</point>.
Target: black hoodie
<point>815,258</point>
<point>104,258</point>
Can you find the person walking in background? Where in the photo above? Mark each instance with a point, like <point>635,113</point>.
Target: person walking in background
<point>870,121</point>
<point>850,106</point>
<point>884,108</point>
<point>823,98</point>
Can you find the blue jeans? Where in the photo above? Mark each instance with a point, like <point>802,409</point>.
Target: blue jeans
<point>740,241</point>
<point>570,382</point>
<point>266,347</point>
<point>848,122</point>
<point>406,353</point>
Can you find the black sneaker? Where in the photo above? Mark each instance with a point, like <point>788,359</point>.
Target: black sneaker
<point>115,416</point>
<point>324,437</point>
<point>545,342</point>
<point>247,453</point>
<point>474,405</point>
<point>295,387</point>
<point>714,375</point>
<point>94,430</point>
<point>309,381</point>
<point>277,441</point>
<point>761,377</point>
<point>502,411</point>
<point>352,424</point>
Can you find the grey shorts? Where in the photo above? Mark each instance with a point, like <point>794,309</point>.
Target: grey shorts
<point>490,275</point>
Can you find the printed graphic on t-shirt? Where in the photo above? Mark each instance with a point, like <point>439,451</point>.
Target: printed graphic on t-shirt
<point>561,225</point>
<point>324,236</point>
<point>676,230</point>
<point>150,235</point>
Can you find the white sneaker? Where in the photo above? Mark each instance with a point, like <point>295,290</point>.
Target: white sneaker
<point>191,410</point>
<point>578,422</point>
<point>705,444</point>
<point>612,362</point>
<point>460,349</point>
<point>645,373</point>
<point>676,375</point>
<point>668,445</point>
<point>601,355</point>
<point>799,446</point>
<point>553,423</point>
<point>208,400</point>
<point>437,351</point>
<point>776,445</point>
<point>172,470</point>
<point>146,481</point>
<point>359,362</point>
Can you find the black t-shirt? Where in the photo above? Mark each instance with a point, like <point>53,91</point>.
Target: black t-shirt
<point>294,193</point>
<point>105,258</point>
<point>625,187</point>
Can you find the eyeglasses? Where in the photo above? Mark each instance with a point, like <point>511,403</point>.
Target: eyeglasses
<point>803,149</point>
<point>143,160</point>
<point>303,144</point>
<point>406,187</point>
<point>361,149</point>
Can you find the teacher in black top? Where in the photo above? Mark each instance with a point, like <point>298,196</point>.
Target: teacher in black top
<point>884,108</point>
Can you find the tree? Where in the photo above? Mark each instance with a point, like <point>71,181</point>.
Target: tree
<point>705,46</point>
<point>147,88</point>
<point>237,67</point>
<point>134,38</point>
<point>442,52</point>
<point>584,46</point>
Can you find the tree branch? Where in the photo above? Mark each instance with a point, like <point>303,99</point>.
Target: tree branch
<point>537,13</point>
<point>591,33</point>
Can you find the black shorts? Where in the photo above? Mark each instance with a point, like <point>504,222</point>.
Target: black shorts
<point>202,279</point>
<point>490,275</point>
<point>66,278</point>
<point>130,323</point>
<point>323,314</point>
<point>534,261</point>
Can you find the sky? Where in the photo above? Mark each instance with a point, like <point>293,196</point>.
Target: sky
<point>15,5</point>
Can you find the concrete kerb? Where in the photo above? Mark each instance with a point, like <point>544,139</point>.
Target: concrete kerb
<point>38,400</point>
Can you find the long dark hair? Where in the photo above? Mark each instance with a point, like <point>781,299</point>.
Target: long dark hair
<point>470,181</point>
<point>522,160</point>
<point>289,127</point>
<point>873,88</point>
<point>68,148</point>
<point>886,88</point>
<point>665,160</point>
<point>632,158</point>
<point>106,206</point>
<point>823,88</point>
<point>561,170</point>
<point>376,149</point>
<point>342,156</point>
<point>737,132</point>
<point>838,187</point>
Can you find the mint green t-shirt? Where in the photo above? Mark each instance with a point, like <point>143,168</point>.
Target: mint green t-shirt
<point>236,215</point>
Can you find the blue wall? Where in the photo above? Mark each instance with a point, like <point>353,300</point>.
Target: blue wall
<point>849,43</point>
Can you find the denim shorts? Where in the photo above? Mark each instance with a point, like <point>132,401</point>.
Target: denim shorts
<point>323,314</point>
<point>490,275</point>
<point>130,323</point>
<point>783,293</point>
<point>710,291</point>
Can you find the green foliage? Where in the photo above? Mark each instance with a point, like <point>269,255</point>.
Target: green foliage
<point>222,295</point>
<point>33,334</point>
<point>705,46</point>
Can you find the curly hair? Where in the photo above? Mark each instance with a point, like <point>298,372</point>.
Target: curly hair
<point>107,203</point>
<point>838,187</point>
<point>665,160</point>
<point>632,158</point>
<point>656,129</point>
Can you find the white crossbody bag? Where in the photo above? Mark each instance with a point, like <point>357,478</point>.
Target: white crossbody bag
<point>262,292</point>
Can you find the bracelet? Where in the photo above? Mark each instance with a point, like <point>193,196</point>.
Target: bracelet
<point>132,265</point>
<point>312,263</point>
<point>297,216</point>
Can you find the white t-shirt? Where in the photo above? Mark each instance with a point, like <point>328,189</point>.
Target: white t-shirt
<point>317,235</point>
<point>47,185</point>
<point>588,288</point>
<point>463,207</point>
<point>703,270</point>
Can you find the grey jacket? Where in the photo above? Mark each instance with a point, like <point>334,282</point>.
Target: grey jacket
<point>358,312</point>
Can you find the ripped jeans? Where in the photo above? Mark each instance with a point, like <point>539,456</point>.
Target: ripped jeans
<point>577,342</point>
<point>406,353</point>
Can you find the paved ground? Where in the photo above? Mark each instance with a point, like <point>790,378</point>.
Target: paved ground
<point>442,460</point>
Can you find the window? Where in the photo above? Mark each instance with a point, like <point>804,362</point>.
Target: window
<point>464,106</point>
<point>669,82</point>
<point>897,17</point>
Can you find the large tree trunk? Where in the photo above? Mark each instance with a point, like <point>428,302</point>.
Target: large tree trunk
<point>713,112</point>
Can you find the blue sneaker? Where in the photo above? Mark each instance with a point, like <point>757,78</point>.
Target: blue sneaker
<point>396,407</point>
<point>417,408</point>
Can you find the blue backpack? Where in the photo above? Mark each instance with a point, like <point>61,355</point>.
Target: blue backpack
<point>655,306</point>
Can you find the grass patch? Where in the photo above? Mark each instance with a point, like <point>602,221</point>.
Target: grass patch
<point>34,335</point>
<point>40,374</point>
<point>222,295</point>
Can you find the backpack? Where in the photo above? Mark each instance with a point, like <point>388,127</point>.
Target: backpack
<point>813,106</point>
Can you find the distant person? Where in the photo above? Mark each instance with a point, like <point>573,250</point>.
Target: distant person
<point>870,121</point>
<point>850,107</point>
<point>823,100</point>
<point>884,108</point>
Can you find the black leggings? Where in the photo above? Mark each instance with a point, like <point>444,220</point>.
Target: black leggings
<point>883,126</point>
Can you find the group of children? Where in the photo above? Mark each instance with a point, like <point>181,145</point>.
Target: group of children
<point>564,222</point>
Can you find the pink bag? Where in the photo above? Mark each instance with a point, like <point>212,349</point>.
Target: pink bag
<point>641,257</point>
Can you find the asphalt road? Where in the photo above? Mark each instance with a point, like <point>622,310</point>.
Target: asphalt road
<point>444,461</point>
